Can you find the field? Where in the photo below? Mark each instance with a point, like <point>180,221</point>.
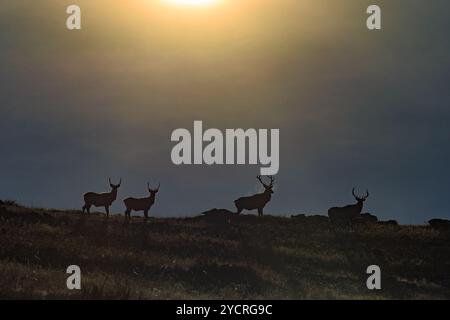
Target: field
<point>235,257</point>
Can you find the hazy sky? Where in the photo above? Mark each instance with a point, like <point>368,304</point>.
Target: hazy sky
<point>354,107</point>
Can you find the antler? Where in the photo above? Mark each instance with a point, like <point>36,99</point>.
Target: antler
<point>265,185</point>
<point>156,190</point>
<point>260,180</point>
<point>367,194</point>
<point>272,180</point>
<point>359,197</point>
<point>120,182</point>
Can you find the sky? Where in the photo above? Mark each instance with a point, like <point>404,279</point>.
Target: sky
<point>354,107</point>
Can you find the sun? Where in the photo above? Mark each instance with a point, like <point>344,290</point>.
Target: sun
<point>191,2</point>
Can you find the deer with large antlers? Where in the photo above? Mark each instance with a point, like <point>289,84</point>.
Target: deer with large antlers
<point>101,199</point>
<point>257,201</point>
<point>142,204</point>
<point>345,215</point>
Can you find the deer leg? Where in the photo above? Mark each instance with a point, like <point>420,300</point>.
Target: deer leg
<point>127,213</point>
<point>145,215</point>
<point>84,208</point>
<point>88,209</point>
<point>260,212</point>
<point>107,211</point>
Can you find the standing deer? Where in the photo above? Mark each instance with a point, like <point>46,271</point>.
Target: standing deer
<point>143,204</point>
<point>101,199</point>
<point>346,214</point>
<point>257,201</point>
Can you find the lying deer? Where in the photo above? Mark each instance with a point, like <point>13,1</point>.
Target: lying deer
<point>101,199</point>
<point>345,215</point>
<point>257,201</point>
<point>142,204</point>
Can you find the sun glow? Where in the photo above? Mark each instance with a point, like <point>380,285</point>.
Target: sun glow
<point>191,2</point>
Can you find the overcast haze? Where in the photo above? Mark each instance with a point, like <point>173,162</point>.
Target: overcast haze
<point>354,107</point>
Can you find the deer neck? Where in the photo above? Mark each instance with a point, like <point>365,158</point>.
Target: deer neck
<point>267,194</point>
<point>152,197</point>
<point>114,194</point>
<point>359,206</point>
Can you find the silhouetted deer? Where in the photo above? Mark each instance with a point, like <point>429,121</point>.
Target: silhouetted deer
<point>346,214</point>
<point>257,201</point>
<point>101,199</point>
<point>143,204</point>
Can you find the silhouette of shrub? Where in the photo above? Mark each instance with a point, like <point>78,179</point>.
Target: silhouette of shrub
<point>9,203</point>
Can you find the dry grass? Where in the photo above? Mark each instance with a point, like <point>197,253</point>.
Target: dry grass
<point>242,258</point>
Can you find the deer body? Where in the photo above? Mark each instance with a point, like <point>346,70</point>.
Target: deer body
<point>257,201</point>
<point>101,199</point>
<point>140,204</point>
<point>348,213</point>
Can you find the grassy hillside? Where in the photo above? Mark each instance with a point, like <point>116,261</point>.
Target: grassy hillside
<point>243,257</point>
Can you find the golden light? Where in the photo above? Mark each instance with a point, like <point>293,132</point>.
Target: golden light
<point>191,2</point>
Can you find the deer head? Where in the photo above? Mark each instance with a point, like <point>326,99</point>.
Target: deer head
<point>359,198</point>
<point>115,186</point>
<point>153,192</point>
<point>267,188</point>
